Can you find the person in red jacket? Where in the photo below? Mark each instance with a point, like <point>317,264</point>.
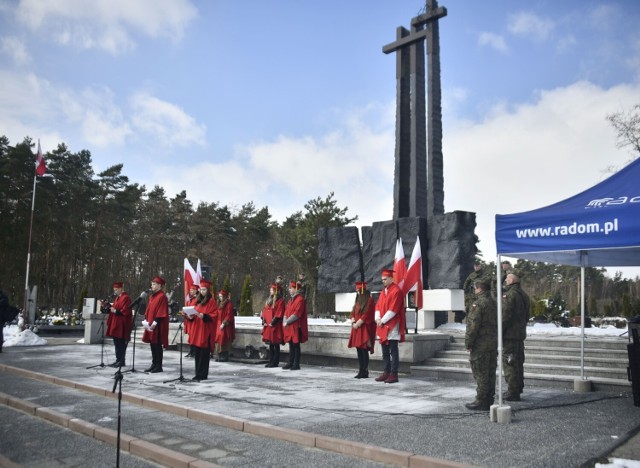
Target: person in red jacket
<point>191,301</point>
<point>295,325</point>
<point>272,323</point>
<point>119,322</point>
<point>156,324</point>
<point>391,324</point>
<point>226,326</point>
<point>363,328</point>
<point>203,330</point>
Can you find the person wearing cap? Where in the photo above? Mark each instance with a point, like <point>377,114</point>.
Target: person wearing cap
<point>272,315</point>
<point>226,332</point>
<point>363,328</point>
<point>391,325</point>
<point>156,324</point>
<point>477,274</point>
<point>481,341</point>
<point>304,287</point>
<point>506,269</point>
<point>119,322</point>
<point>203,330</point>
<point>515,315</point>
<point>191,301</point>
<point>295,330</point>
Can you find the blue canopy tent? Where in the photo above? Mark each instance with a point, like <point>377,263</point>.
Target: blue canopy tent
<point>597,227</point>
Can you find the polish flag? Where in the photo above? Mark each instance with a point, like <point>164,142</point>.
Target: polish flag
<point>399,265</point>
<point>198,272</point>
<point>413,278</point>
<point>41,167</point>
<point>190,278</point>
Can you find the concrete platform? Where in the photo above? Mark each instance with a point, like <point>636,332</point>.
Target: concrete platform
<point>319,416</point>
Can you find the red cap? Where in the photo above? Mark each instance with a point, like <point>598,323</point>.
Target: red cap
<point>388,273</point>
<point>205,284</point>
<point>275,286</point>
<point>158,280</point>
<point>295,285</point>
<point>223,293</point>
<point>361,285</point>
<point>118,284</point>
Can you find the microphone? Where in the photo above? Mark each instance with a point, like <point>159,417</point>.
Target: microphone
<point>142,297</point>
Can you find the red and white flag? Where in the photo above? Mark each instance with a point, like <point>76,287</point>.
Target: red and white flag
<point>413,278</point>
<point>198,272</point>
<point>41,167</point>
<point>399,265</point>
<point>189,278</point>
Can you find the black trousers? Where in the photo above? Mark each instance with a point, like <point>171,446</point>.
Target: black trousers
<point>363,358</point>
<point>202,357</point>
<point>156,355</point>
<point>121,349</point>
<point>390,357</point>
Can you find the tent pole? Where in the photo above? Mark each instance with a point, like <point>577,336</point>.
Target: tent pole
<point>582,318</point>
<point>499,301</point>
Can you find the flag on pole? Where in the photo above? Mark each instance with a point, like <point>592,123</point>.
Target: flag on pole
<point>41,167</point>
<point>399,265</point>
<point>190,278</point>
<point>199,272</point>
<point>413,278</point>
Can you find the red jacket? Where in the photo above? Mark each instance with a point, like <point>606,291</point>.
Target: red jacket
<point>273,334</point>
<point>203,330</point>
<point>391,298</point>
<point>157,308</point>
<point>297,332</point>
<point>191,302</point>
<point>365,336</point>
<point>119,326</point>
<point>228,333</point>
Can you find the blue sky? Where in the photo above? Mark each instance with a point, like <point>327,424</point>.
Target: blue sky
<point>281,101</point>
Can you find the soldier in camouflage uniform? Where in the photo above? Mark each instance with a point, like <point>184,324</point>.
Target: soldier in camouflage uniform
<point>478,274</point>
<point>515,315</point>
<point>481,340</point>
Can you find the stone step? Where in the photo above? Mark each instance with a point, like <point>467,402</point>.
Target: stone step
<point>607,384</point>
<point>619,361</point>
<point>569,344</point>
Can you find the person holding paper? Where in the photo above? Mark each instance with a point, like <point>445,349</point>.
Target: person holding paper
<point>119,322</point>
<point>203,330</point>
<point>156,324</point>
<point>191,301</point>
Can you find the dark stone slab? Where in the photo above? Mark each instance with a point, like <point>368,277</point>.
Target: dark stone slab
<point>340,259</point>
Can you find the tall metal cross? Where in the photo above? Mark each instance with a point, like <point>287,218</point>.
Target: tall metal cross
<point>418,181</point>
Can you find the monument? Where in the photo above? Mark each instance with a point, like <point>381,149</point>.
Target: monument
<point>447,238</point>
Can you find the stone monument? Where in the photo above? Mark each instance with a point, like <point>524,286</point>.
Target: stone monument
<point>447,238</point>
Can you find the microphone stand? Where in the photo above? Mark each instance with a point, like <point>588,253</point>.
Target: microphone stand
<point>181,378</point>
<point>136,311</point>
<point>118,383</point>
<point>102,364</point>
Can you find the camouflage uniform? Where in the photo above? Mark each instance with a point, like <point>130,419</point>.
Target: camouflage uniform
<point>515,315</point>
<point>469,288</point>
<point>481,339</point>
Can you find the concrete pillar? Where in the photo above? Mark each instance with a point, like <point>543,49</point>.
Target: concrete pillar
<point>500,414</point>
<point>582,385</point>
<point>93,323</point>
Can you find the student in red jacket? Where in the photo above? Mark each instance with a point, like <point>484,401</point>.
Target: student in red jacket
<point>203,330</point>
<point>156,324</point>
<point>295,325</point>
<point>119,322</point>
<point>272,315</point>
<point>363,328</point>
<point>391,324</point>
<point>226,326</point>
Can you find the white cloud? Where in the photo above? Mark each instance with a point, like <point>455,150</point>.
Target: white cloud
<point>166,122</point>
<point>109,25</point>
<point>532,155</point>
<point>493,40</point>
<point>16,49</point>
<point>530,25</point>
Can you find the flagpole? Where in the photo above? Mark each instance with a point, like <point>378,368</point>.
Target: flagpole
<point>26,281</point>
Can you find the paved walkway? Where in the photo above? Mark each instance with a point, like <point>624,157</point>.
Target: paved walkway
<point>254,416</point>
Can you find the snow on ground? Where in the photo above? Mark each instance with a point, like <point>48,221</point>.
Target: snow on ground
<point>14,337</point>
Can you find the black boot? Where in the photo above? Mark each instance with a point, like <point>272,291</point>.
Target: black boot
<point>289,363</point>
<point>296,358</point>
